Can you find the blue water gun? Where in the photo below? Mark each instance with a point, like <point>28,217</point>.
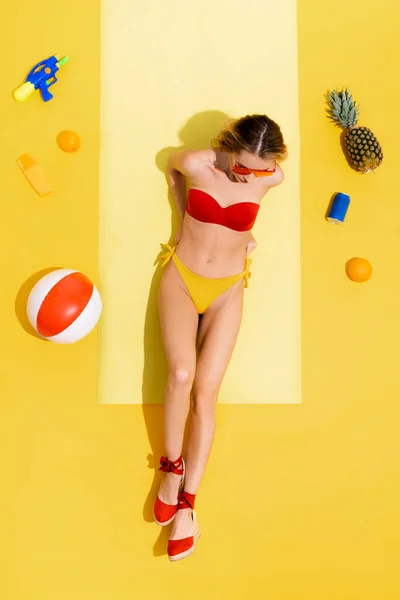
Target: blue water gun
<point>41,77</point>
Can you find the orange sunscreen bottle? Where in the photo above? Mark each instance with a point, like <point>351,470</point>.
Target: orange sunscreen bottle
<point>34,174</point>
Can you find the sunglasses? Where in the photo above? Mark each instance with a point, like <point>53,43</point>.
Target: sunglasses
<point>239,170</point>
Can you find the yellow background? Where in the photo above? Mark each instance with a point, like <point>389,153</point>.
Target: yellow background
<point>188,79</point>
<point>299,502</point>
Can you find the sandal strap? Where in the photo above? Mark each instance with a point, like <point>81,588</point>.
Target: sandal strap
<point>168,466</point>
<point>186,500</point>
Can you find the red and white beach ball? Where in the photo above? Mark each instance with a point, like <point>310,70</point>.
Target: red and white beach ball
<point>64,306</point>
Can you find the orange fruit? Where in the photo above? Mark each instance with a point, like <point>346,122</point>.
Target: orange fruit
<point>359,269</point>
<point>68,141</point>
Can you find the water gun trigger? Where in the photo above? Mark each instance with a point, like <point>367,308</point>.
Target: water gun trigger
<point>51,81</point>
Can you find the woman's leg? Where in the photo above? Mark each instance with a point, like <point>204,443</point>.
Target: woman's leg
<point>217,336</point>
<point>179,323</point>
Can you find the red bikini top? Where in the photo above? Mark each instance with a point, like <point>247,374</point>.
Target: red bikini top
<point>203,207</point>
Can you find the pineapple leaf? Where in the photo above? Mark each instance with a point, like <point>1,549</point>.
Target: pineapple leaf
<point>342,109</point>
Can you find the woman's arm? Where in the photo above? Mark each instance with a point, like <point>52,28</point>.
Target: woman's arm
<point>276,178</point>
<point>177,183</point>
<point>182,165</point>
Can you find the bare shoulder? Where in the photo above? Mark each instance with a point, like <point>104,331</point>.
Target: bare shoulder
<point>191,162</point>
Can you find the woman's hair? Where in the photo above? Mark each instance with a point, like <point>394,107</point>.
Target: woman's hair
<point>257,134</point>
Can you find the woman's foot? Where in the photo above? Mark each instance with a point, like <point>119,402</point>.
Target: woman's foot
<point>185,532</point>
<point>183,525</point>
<point>166,503</point>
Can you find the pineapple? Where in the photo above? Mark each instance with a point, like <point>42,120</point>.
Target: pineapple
<point>362,147</point>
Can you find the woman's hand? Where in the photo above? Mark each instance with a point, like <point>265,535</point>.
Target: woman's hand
<point>251,245</point>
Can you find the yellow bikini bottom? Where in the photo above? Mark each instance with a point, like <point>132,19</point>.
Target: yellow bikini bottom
<point>203,290</point>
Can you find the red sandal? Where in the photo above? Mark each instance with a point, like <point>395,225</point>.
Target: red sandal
<point>164,513</point>
<point>178,549</point>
